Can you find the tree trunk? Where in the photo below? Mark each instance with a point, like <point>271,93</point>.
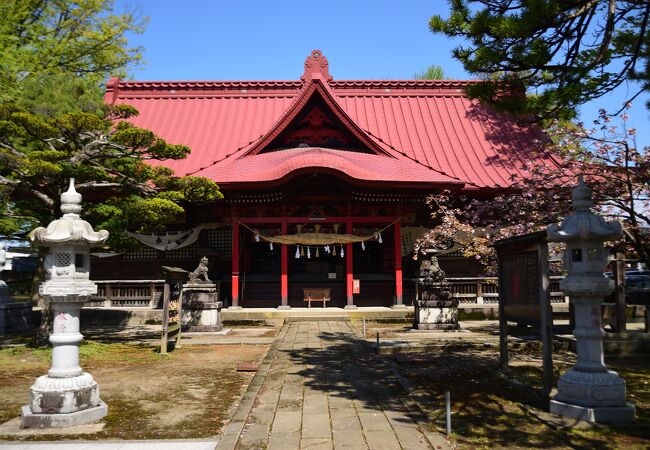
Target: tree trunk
<point>42,333</point>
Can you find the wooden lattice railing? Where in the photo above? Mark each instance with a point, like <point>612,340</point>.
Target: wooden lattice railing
<point>127,293</point>
<point>485,290</point>
<point>147,293</point>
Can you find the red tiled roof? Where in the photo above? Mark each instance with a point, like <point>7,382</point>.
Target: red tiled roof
<point>275,166</point>
<point>428,131</point>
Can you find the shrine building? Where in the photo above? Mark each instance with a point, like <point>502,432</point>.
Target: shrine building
<point>325,181</point>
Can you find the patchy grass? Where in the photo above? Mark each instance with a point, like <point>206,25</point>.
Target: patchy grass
<point>492,409</point>
<point>386,329</point>
<point>188,393</point>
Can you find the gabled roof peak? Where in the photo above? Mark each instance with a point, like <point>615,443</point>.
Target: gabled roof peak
<point>316,67</point>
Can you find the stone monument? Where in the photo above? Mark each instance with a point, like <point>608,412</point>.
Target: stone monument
<point>588,391</point>
<point>67,395</point>
<point>15,317</point>
<point>201,310</point>
<point>435,308</point>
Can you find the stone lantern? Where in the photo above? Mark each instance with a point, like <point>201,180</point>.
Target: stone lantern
<point>588,391</point>
<point>67,395</point>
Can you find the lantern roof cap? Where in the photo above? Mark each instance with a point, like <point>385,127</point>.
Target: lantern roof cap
<point>583,224</point>
<point>70,228</point>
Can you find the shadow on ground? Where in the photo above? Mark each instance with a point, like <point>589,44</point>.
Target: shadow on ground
<point>490,408</point>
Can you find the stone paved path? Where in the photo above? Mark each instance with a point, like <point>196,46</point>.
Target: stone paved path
<point>323,390</point>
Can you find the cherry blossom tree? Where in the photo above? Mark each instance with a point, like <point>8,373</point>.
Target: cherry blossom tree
<point>605,153</point>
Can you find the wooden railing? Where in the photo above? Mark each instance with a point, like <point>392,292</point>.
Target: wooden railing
<point>485,290</point>
<point>127,293</point>
<point>147,293</point>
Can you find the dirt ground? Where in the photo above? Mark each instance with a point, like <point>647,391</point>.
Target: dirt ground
<point>492,409</point>
<point>495,409</point>
<point>188,393</point>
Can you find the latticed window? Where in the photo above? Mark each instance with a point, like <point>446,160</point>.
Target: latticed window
<point>62,259</point>
<point>221,241</point>
<point>188,252</point>
<point>143,253</point>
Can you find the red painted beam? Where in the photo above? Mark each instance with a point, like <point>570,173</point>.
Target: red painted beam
<point>355,219</point>
<point>284,266</point>
<point>349,267</point>
<point>235,262</point>
<point>398,263</point>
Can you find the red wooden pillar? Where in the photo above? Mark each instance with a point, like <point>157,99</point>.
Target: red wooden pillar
<point>235,263</point>
<point>284,266</point>
<point>349,276</point>
<point>398,265</point>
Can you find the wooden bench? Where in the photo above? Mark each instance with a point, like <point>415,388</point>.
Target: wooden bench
<point>316,295</point>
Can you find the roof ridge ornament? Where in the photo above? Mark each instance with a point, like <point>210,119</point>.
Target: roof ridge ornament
<point>316,66</point>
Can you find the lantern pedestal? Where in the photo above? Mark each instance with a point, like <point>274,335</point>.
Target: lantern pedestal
<point>589,391</point>
<point>66,396</point>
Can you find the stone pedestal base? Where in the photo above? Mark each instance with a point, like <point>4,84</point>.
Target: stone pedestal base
<point>284,307</point>
<point>90,415</point>
<point>15,317</point>
<point>63,402</point>
<point>204,319</point>
<point>603,414</point>
<point>52,395</point>
<point>201,310</point>
<point>592,397</point>
<point>436,318</point>
<point>400,306</point>
<point>350,307</point>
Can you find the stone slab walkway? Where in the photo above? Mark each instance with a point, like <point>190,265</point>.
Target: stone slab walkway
<point>319,388</point>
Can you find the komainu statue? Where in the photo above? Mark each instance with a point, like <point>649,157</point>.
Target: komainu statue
<point>200,272</point>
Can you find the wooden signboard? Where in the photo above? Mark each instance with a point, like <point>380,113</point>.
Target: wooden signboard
<point>524,293</point>
<point>356,286</point>
<point>172,307</point>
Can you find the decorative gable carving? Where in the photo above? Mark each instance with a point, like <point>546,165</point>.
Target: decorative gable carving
<point>317,127</point>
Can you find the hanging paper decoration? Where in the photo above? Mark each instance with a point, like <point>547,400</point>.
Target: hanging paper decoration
<point>170,240</point>
<point>308,253</point>
<point>342,252</point>
<point>317,254</point>
<point>271,245</point>
<point>315,239</point>
<point>334,252</point>
<point>363,246</point>
<point>302,251</point>
<point>297,252</point>
<point>257,237</point>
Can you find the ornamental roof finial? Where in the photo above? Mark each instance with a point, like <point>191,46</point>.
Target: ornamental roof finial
<point>582,196</point>
<point>71,200</point>
<point>316,66</point>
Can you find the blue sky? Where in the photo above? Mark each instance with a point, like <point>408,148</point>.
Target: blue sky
<point>269,40</point>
